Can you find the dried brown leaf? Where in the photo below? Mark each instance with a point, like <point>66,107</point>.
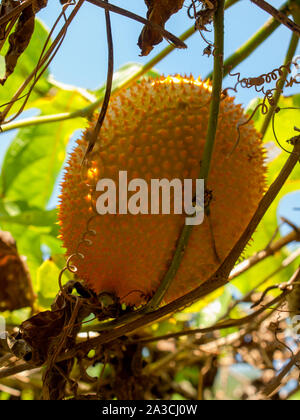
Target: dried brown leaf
<point>159,11</point>
<point>37,5</point>
<point>40,330</point>
<point>18,41</point>
<point>6,7</point>
<point>15,283</point>
<point>20,38</point>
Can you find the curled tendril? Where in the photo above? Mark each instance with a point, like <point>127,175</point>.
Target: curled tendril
<point>202,17</point>
<point>264,111</point>
<point>192,9</point>
<point>62,290</point>
<point>280,76</point>
<point>258,83</point>
<point>141,293</point>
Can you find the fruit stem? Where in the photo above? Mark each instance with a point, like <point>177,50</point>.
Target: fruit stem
<point>216,92</point>
<point>289,57</point>
<point>208,152</point>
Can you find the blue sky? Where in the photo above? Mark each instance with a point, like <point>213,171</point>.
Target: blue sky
<point>82,59</point>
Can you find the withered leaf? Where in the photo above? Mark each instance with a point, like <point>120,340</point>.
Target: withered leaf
<point>18,41</point>
<point>159,11</point>
<point>15,283</point>
<point>55,381</point>
<point>44,330</point>
<point>6,7</point>
<point>20,38</point>
<point>40,331</point>
<point>38,5</point>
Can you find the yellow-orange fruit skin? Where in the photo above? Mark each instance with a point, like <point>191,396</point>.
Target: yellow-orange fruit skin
<point>157,130</point>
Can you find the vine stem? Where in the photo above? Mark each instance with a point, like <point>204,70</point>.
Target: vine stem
<point>207,155</point>
<point>90,109</point>
<point>222,325</point>
<point>278,16</point>
<point>243,52</point>
<point>217,280</point>
<point>221,277</point>
<point>216,92</point>
<point>178,43</point>
<point>277,381</point>
<point>43,63</point>
<point>14,12</point>
<point>260,256</point>
<point>288,59</point>
<point>109,82</point>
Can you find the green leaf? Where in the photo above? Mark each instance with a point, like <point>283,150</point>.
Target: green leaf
<point>26,64</point>
<point>16,317</point>
<point>47,285</point>
<point>295,397</point>
<point>177,397</point>
<point>284,121</point>
<point>4,396</point>
<point>36,155</point>
<point>266,229</point>
<point>261,238</point>
<point>214,310</point>
<point>56,249</point>
<point>27,395</point>
<point>31,166</point>
<point>124,74</point>
<point>189,373</point>
<point>47,280</point>
<point>202,303</point>
<point>31,228</point>
<point>34,217</point>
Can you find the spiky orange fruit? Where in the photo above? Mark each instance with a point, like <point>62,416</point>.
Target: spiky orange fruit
<point>155,130</point>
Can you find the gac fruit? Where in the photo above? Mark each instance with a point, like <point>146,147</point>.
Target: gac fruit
<point>155,130</point>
